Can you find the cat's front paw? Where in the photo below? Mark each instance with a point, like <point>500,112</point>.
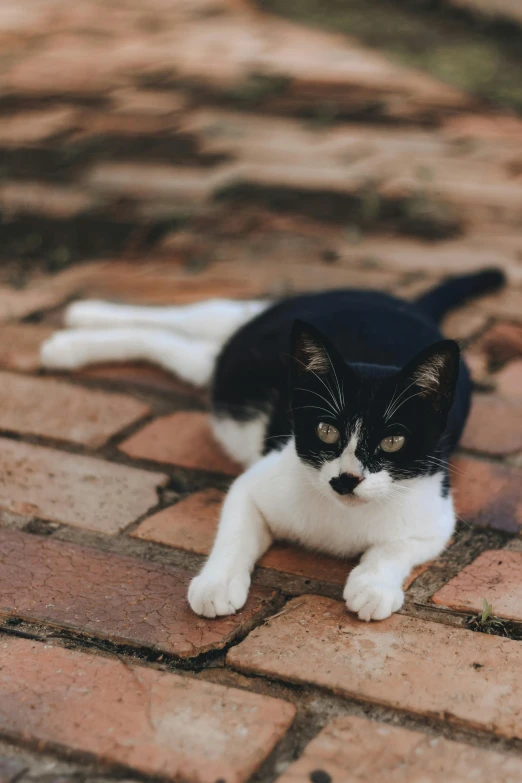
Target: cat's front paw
<point>212,595</point>
<point>371,598</point>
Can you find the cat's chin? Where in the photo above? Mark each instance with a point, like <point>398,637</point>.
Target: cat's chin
<point>349,500</point>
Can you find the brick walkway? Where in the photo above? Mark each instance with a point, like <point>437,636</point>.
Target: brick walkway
<point>177,150</point>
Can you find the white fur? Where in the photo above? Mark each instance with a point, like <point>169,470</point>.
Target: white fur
<point>279,497</point>
<point>396,525</point>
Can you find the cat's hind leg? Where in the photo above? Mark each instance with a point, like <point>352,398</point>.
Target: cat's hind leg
<point>191,360</point>
<point>215,319</point>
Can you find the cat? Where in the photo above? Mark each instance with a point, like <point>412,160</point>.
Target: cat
<point>343,407</point>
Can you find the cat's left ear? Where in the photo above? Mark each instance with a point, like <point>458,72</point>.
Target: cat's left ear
<point>433,374</point>
<point>312,352</point>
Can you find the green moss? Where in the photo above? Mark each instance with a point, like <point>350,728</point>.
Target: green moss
<point>486,62</point>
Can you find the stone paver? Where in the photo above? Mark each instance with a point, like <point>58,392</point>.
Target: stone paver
<point>120,598</point>
<point>183,439</point>
<point>80,491</point>
<point>60,410</point>
<point>157,723</point>
<point>487,493</point>
<point>494,425</point>
<point>191,525</point>
<point>461,676</point>
<point>356,750</point>
<point>495,575</point>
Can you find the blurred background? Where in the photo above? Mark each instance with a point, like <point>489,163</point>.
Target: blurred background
<point>170,150</point>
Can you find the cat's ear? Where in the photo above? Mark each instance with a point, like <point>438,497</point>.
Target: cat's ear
<point>312,352</point>
<point>433,374</point>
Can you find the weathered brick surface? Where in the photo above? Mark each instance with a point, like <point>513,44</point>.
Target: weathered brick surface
<point>120,598</point>
<point>183,439</point>
<point>79,491</point>
<point>494,425</point>
<point>10,769</point>
<point>157,723</point>
<point>191,525</point>
<point>509,380</point>
<point>20,346</point>
<point>355,749</point>
<point>487,493</point>
<point>142,375</point>
<point>317,641</point>
<point>503,341</point>
<point>35,126</point>
<point>495,575</point>
<point>55,409</point>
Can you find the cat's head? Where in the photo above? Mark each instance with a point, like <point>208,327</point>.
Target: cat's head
<point>363,428</point>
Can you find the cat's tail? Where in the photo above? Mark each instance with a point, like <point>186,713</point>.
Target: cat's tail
<point>457,290</point>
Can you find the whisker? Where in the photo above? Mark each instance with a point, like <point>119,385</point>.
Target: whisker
<point>310,391</point>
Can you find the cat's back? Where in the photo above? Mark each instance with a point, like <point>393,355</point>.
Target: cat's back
<point>364,326</point>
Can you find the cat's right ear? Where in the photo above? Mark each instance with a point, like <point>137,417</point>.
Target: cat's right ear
<point>312,353</point>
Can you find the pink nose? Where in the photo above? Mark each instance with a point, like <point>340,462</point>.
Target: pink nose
<point>345,483</point>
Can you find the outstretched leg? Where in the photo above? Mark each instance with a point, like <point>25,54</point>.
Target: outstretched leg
<point>216,319</point>
<point>243,536</point>
<point>191,360</point>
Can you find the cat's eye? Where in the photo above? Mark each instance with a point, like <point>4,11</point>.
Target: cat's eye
<point>327,433</point>
<point>392,443</point>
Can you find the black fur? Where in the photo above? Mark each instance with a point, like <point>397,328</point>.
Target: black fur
<point>373,345</point>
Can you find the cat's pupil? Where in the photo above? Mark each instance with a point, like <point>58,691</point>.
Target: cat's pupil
<point>392,443</point>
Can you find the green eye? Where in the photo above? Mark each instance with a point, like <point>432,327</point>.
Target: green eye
<point>327,433</point>
<point>392,443</point>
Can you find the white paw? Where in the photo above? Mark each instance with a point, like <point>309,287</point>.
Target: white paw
<point>87,314</point>
<point>211,595</point>
<point>370,598</point>
<point>62,351</point>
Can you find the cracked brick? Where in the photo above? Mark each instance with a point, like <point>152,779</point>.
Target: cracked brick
<point>183,439</point>
<point>357,749</point>
<point>495,575</point>
<point>60,410</point>
<point>155,722</point>
<point>469,678</point>
<point>80,491</point>
<point>126,600</point>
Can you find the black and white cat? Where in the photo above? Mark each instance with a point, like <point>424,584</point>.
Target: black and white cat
<point>342,406</point>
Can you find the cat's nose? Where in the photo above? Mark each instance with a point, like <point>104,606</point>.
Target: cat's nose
<point>345,483</point>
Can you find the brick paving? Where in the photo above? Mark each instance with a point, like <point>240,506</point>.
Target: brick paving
<point>176,153</point>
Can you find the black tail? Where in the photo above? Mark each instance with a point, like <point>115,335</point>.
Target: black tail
<point>457,290</point>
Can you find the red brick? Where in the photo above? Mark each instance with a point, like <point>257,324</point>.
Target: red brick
<point>183,439</point>
<point>509,380</point>
<point>464,323</point>
<point>495,575</point>
<point>35,126</point>
<point>356,749</point>
<point>140,374</point>
<point>123,599</point>
<point>20,346</point>
<point>494,425</point>
<point>80,491</point>
<point>55,409</point>
<point>503,342</point>
<point>191,525</point>
<point>11,769</point>
<point>487,494</point>
<point>22,198</point>
<point>158,723</point>
<point>316,641</point>
<point>18,304</point>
